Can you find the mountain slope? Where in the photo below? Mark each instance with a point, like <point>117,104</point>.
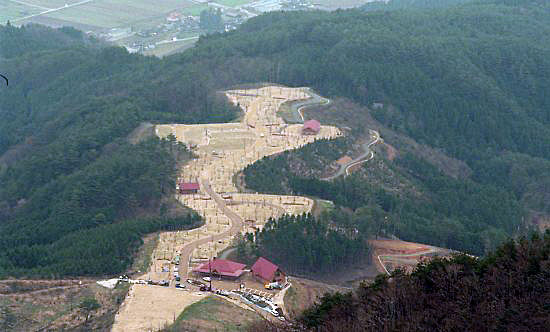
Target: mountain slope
<point>507,290</point>
<point>469,80</point>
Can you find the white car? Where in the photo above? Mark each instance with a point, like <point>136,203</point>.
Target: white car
<point>207,279</point>
<point>176,269</point>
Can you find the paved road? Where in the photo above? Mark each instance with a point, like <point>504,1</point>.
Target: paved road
<point>367,153</point>
<point>236,225</point>
<point>297,107</point>
<point>314,100</point>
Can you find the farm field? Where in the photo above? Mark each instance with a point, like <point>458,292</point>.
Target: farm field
<point>233,3</point>
<point>95,14</point>
<point>171,48</point>
<point>194,10</point>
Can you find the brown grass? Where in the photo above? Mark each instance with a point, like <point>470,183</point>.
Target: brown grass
<point>214,314</point>
<point>53,305</point>
<point>304,293</point>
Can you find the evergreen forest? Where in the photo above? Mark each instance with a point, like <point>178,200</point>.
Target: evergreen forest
<point>508,290</point>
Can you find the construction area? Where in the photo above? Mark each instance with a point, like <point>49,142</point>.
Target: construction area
<point>206,185</point>
<point>389,255</point>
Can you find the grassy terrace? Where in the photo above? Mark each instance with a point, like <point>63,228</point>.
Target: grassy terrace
<point>213,314</point>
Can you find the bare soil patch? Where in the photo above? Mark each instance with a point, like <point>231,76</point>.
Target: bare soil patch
<point>391,152</point>
<point>151,307</point>
<point>389,255</point>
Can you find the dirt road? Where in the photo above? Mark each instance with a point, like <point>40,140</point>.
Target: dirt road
<point>236,225</point>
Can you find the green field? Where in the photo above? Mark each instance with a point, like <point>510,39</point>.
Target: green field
<point>194,10</point>
<point>170,48</point>
<point>95,14</point>
<point>233,3</point>
<point>10,10</point>
<point>213,314</point>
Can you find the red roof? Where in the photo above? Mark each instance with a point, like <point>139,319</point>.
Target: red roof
<point>189,186</point>
<point>222,267</point>
<point>264,269</point>
<point>312,124</point>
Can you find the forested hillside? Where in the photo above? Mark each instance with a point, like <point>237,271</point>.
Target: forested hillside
<point>507,290</point>
<point>411,4</point>
<point>75,195</point>
<point>320,251</point>
<point>470,80</point>
<point>442,211</point>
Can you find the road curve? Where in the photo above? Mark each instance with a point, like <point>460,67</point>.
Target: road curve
<point>298,106</point>
<point>368,154</point>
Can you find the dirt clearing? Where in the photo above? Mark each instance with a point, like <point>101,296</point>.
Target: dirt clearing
<point>150,307</point>
<point>389,255</point>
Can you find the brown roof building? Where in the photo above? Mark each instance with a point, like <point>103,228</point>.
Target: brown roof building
<point>221,267</point>
<point>188,188</point>
<point>268,271</point>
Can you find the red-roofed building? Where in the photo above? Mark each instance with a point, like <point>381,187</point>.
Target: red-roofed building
<point>268,271</point>
<point>221,267</point>
<point>188,187</point>
<point>311,127</point>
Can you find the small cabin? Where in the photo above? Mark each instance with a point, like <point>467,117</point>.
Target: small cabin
<point>268,272</point>
<point>311,127</point>
<point>186,188</point>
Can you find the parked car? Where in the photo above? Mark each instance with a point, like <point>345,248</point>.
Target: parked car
<point>207,279</point>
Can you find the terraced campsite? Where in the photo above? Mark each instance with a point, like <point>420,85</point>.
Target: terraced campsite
<point>222,150</point>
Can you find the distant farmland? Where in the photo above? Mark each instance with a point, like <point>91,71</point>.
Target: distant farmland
<point>90,14</point>
<point>335,4</point>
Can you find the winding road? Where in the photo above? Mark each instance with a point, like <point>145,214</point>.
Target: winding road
<point>316,100</point>
<point>236,225</point>
<point>367,153</point>
<point>298,106</point>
